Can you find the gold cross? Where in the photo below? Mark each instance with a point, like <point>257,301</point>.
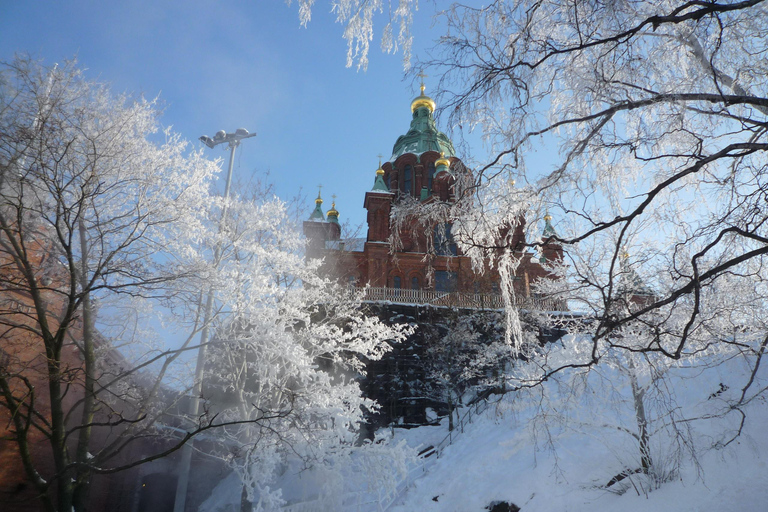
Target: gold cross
<point>319,189</point>
<point>422,75</point>
<point>380,157</point>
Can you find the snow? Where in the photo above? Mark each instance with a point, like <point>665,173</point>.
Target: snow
<point>500,457</point>
<point>491,461</point>
<point>505,453</point>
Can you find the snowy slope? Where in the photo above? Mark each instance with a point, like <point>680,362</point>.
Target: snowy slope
<point>504,456</point>
<point>493,461</point>
<point>560,462</point>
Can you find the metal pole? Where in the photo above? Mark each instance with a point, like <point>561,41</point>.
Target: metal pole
<point>197,389</point>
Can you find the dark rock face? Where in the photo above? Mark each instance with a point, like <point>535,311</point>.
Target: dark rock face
<point>425,377</point>
<point>502,506</point>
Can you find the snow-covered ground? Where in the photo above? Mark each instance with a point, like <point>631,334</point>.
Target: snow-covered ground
<point>510,453</point>
<point>505,456</point>
<point>494,461</point>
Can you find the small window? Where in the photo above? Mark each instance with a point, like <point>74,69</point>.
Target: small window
<point>407,180</point>
<point>396,282</point>
<point>430,177</point>
<point>414,283</point>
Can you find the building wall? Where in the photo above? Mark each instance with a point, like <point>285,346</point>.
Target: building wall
<point>378,266</point>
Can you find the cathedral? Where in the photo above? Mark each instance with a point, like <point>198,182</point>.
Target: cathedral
<point>425,267</point>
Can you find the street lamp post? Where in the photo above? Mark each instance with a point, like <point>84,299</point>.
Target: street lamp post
<point>233,140</point>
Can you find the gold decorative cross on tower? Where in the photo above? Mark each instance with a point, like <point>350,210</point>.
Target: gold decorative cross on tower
<point>422,75</point>
<point>380,157</point>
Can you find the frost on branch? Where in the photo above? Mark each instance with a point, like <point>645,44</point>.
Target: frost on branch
<point>288,354</point>
<point>655,120</point>
<point>358,18</point>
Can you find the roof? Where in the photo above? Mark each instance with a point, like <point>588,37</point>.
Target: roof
<point>422,136</point>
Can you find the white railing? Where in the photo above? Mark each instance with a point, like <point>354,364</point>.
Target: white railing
<point>457,299</point>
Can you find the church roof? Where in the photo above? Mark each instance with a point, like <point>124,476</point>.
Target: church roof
<point>423,134</point>
<point>317,213</point>
<point>549,230</point>
<point>378,183</point>
<point>630,283</point>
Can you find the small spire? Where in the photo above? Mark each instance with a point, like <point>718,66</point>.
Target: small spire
<point>378,182</point>
<point>317,213</point>
<point>630,282</point>
<point>333,214</point>
<point>624,254</point>
<point>549,230</point>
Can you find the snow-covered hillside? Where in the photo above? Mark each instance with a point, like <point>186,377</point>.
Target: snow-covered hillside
<point>558,453</point>
<point>563,461</point>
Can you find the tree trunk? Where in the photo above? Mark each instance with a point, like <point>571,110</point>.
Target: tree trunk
<point>245,504</point>
<point>83,474</point>
<point>638,394</point>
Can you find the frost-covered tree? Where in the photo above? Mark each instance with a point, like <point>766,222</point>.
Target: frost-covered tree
<point>110,240</point>
<point>659,406</point>
<point>653,119</point>
<point>91,194</point>
<point>658,112</point>
<point>287,357</point>
<point>358,17</point>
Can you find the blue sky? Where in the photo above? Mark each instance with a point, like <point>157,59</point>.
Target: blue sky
<point>245,63</point>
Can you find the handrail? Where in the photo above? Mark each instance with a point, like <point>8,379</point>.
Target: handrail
<point>457,299</point>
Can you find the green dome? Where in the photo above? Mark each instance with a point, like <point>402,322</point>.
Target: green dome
<point>423,135</point>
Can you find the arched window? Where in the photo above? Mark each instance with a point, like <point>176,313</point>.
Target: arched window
<point>430,177</point>
<point>396,283</point>
<point>407,180</point>
<point>414,283</point>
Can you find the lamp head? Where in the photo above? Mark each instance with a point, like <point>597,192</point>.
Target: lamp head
<point>208,141</point>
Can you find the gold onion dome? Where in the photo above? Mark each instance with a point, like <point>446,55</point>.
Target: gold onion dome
<point>442,161</point>
<point>332,211</point>
<point>423,101</point>
<point>378,182</point>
